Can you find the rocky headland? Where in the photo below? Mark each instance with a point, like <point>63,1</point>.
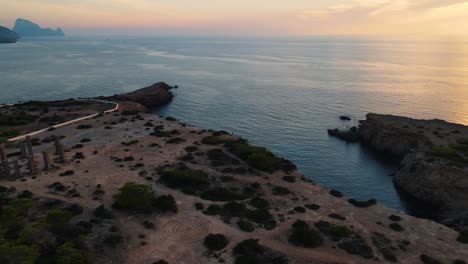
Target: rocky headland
<point>134,187</point>
<point>26,28</point>
<point>434,160</point>
<point>7,35</point>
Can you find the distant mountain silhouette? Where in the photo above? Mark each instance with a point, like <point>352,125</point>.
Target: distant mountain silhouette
<point>26,28</point>
<point>7,35</point>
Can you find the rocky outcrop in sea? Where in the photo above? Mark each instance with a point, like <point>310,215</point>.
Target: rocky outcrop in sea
<point>7,35</point>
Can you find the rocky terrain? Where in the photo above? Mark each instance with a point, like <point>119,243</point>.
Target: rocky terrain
<point>434,154</point>
<point>26,28</point>
<point>132,187</point>
<point>7,35</point>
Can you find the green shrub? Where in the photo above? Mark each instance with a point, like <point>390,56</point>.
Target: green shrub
<point>336,193</point>
<point>215,242</point>
<point>449,153</point>
<point>102,212</point>
<point>337,216</point>
<point>112,239</point>
<point>211,140</point>
<point>166,204</point>
<point>68,254</point>
<point>16,119</point>
<point>394,218</point>
<point>290,179</point>
<point>356,245</point>
<point>221,194</point>
<point>258,157</point>
<point>7,134</point>
<point>24,254</point>
<point>428,259</point>
<point>362,204</point>
<point>463,236</point>
<point>249,247</point>
<point>58,220</point>
<point>335,232</point>
<point>396,227</point>
<point>313,207</point>
<point>302,235</point>
<point>135,197</point>
<point>245,226</point>
<point>185,178</point>
<point>260,203</point>
<point>280,191</point>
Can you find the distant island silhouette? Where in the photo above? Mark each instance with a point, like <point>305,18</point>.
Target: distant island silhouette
<point>7,35</point>
<point>26,28</point>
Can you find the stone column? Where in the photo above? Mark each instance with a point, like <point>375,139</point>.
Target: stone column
<point>29,144</point>
<point>31,167</point>
<point>45,155</point>
<point>3,155</point>
<point>22,147</point>
<point>57,145</point>
<point>6,168</point>
<point>61,153</point>
<point>17,169</point>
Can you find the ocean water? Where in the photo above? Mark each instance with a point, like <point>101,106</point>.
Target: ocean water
<point>279,93</point>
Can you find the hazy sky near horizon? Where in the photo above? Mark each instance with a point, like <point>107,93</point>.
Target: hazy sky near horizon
<point>244,17</point>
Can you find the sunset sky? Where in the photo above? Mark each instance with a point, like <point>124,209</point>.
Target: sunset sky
<point>244,17</point>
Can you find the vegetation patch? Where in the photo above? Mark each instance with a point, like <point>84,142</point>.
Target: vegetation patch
<point>245,226</point>
<point>385,247</point>
<point>7,134</point>
<point>215,242</point>
<point>219,158</point>
<point>334,232</point>
<point>302,235</point>
<point>258,157</point>
<point>396,227</point>
<point>337,216</point>
<point>251,252</point>
<point>429,260</point>
<point>186,179</point>
<point>362,204</point>
<point>280,191</point>
<point>313,207</point>
<point>336,193</point>
<point>19,118</point>
<point>356,245</point>
<point>135,197</point>
<point>463,236</point>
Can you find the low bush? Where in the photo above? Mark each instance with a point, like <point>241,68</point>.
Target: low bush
<point>176,140</point>
<point>245,226</point>
<point>67,173</point>
<point>362,204</point>
<point>290,179</point>
<point>258,157</point>
<point>112,239</point>
<point>356,245</point>
<point>302,235</point>
<point>84,127</point>
<point>337,216</point>
<point>102,212</point>
<point>7,134</point>
<point>212,140</point>
<point>215,242</point>
<point>165,204</point>
<point>394,218</point>
<point>260,203</point>
<point>429,260</point>
<point>221,194</point>
<point>280,191</point>
<point>335,232</point>
<point>396,227</point>
<point>299,209</point>
<point>313,207</point>
<point>16,119</point>
<point>463,236</point>
<point>336,193</point>
<point>185,178</point>
<point>135,197</point>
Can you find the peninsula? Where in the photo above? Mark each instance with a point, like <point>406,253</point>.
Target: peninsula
<point>128,186</point>
<point>7,35</point>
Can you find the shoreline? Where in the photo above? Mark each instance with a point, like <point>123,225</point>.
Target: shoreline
<point>143,148</point>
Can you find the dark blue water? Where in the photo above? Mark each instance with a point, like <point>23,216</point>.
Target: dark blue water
<point>278,93</point>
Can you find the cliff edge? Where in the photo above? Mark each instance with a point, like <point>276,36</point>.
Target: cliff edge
<point>434,154</point>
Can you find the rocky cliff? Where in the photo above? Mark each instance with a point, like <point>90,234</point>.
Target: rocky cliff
<point>155,95</point>
<point>26,28</point>
<point>7,35</point>
<point>434,153</point>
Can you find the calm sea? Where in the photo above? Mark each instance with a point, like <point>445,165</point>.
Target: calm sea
<point>278,93</point>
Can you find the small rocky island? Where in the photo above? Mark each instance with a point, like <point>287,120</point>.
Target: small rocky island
<point>434,160</point>
<point>7,35</point>
<point>127,186</point>
<point>26,28</point>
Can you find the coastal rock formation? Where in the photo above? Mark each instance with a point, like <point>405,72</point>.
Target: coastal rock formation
<point>155,95</point>
<point>434,154</point>
<point>26,28</point>
<point>7,35</point>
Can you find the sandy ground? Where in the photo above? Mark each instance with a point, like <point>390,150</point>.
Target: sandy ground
<point>178,238</point>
